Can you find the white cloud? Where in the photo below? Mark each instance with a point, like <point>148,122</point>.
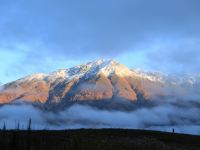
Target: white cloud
<point>163,117</point>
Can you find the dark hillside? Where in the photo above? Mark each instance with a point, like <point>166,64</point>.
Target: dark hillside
<point>102,139</point>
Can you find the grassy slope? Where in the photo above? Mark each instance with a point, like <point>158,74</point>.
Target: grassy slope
<point>104,139</point>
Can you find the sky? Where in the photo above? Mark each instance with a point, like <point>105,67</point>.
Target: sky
<point>45,35</point>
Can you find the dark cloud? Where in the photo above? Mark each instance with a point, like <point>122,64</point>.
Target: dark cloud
<point>68,30</point>
<point>97,26</point>
<point>183,57</point>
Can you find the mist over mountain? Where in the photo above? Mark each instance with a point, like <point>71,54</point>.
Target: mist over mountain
<point>182,116</point>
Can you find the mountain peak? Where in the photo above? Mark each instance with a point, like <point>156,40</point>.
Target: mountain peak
<point>107,67</point>
<point>103,62</point>
<point>104,66</point>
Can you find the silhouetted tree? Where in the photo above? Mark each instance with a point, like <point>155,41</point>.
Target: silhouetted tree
<point>28,138</point>
<point>4,126</point>
<point>29,124</point>
<point>18,125</point>
<point>173,130</point>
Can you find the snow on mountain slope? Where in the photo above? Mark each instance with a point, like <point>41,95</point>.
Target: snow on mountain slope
<point>1,86</point>
<point>101,79</point>
<point>106,67</point>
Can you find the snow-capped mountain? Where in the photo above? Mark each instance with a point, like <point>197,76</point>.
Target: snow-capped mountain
<point>1,84</point>
<point>98,80</point>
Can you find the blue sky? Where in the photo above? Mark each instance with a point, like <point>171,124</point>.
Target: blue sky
<point>45,35</point>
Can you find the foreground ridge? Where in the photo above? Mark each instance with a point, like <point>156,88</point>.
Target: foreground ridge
<point>98,139</point>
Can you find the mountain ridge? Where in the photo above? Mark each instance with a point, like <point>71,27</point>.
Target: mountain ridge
<point>97,80</point>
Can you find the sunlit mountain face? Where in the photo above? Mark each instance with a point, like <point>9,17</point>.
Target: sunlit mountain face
<point>98,80</point>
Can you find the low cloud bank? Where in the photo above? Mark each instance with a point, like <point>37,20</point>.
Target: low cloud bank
<point>182,115</point>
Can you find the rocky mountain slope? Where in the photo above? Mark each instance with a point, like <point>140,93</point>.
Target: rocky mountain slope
<point>98,80</point>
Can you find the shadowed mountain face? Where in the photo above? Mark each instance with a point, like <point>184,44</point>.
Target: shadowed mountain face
<point>99,80</point>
